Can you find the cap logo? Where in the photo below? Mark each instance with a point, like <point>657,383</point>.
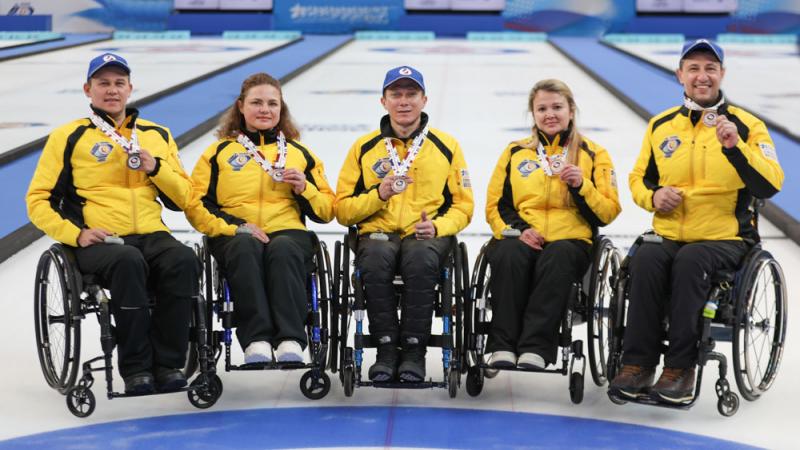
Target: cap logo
<point>108,58</point>
<point>404,71</point>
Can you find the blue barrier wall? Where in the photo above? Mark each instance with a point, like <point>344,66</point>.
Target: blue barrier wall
<point>26,23</point>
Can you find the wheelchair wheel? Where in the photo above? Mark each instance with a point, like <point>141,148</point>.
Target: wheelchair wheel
<point>315,387</point>
<point>598,323</point>
<point>80,401</point>
<point>205,397</point>
<point>348,373</point>
<point>474,381</point>
<point>576,387</point>
<point>475,316</point>
<point>760,327</point>
<point>453,380</point>
<point>728,405</point>
<point>56,316</point>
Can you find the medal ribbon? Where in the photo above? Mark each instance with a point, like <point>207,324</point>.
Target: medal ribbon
<point>693,106</point>
<point>544,162</point>
<point>256,154</point>
<point>130,147</point>
<point>399,168</point>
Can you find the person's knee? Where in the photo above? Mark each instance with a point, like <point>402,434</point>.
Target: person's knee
<point>378,263</point>
<point>283,249</point>
<point>130,263</point>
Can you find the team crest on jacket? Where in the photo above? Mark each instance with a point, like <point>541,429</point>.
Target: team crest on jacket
<point>238,160</point>
<point>101,150</point>
<point>526,167</point>
<point>382,167</point>
<point>669,145</point>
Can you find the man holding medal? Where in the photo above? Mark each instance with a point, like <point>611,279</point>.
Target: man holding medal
<point>701,166</point>
<point>407,189</point>
<point>96,188</point>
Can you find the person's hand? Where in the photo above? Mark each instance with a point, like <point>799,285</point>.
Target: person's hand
<point>256,232</point>
<point>385,191</point>
<point>532,238</point>
<point>91,236</point>
<point>148,162</point>
<point>667,198</point>
<point>572,175</point>
<point>425,229</point>
<point>727,133</point>
<point>296,178</point>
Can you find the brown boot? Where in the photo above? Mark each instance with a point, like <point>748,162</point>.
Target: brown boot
<point>674,385</point>
<point>631,381</point>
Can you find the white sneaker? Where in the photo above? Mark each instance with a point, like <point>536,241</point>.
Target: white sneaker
<point>531,361</point>
<point>289,351</point>
<point>503,360</point>
<point>258,352</point>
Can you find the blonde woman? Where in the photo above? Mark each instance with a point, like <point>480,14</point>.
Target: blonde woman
<point>548,195</point>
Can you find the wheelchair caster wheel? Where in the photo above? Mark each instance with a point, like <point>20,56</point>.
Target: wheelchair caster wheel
<point>576,387</point>
<point>728,404</point>
<point>348,380</point>
<point>206,396</point>
<point>474,381</point>
<point>80,401</point>
<point>313,387</point>
<point>453,380</point>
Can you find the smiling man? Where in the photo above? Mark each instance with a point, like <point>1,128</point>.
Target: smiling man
<point>95,189</point>
<point>701,166</point>
<point>407,189</point>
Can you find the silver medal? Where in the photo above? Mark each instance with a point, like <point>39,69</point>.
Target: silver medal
<point>710,118</point>
<point>134,161</point>
<point>556,164</point>
<point>399,185</point>
<point>277,175</point>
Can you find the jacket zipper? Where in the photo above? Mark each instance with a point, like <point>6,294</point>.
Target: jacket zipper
<point>261,185</point>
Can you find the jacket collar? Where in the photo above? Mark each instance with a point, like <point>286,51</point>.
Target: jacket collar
<point>558,139</point>
<point>388,131</point>
<point>269,136</point>
<point>130,116</point>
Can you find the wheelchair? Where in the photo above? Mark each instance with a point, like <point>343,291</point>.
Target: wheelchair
<point>347,355</point>
<point>589,303</point>
<point>63,297</point>
<point>750,313</point>
<point>314,383</point>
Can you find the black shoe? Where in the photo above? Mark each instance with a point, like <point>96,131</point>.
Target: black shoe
<point>139,383</point>
<point>412,369</point>
<point>169,379</point>
<point>385,364</point>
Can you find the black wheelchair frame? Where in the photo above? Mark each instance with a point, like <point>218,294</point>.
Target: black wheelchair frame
<point>738,295</point>
<point>314,383</point>
<point>63,297</point>
<point>350,302</point>
<point>589,300</point>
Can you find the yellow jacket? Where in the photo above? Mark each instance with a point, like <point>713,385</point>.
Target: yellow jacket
<point>82,181</point>
<point>230,188</point>
<point>521,195</point>
<point>441,184</point>
<point>718,184</point>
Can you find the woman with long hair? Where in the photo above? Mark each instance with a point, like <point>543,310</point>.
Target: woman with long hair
<point>253,190</point>
<point>548,195</point>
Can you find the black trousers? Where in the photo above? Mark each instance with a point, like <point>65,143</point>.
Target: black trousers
<point>171,270</point>
<point>673,279</point>
<point>419,263</point>
<point>267,283</point>
<point>530,293</point>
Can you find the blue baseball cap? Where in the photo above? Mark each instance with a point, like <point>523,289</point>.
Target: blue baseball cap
<point>703,44</point>
<point>107,60</point>
<point>401,72</point>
